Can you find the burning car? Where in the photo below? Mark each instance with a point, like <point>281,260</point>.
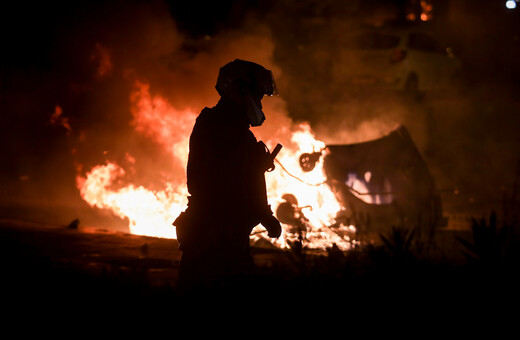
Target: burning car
<point>379,184</point>
<point>383,183</point>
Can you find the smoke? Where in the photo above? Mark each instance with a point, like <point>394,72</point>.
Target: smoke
<point>90,63</point>
<point>133,83</point>
<point>464,133</point>
<point>307,48</point>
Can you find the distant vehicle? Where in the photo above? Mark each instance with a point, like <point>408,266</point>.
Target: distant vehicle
<point>409,59</point>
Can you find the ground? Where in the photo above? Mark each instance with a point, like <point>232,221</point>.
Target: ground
<point>45,264</point>
<point>51,263</point>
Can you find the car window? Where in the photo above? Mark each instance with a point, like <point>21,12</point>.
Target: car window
<point>425,43</point>
<point>373,41</point>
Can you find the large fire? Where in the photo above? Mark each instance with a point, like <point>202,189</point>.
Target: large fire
<point>151,212</point>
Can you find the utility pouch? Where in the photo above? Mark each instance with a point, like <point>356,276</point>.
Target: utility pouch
<point>182,224</point>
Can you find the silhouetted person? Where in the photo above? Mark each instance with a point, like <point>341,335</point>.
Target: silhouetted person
<point>226,183</point>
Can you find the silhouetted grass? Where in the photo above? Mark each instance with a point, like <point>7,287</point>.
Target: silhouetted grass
<point>398,268</point>
<point>402,268</point>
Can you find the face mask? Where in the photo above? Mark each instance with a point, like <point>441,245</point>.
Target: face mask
<point>255,115</point>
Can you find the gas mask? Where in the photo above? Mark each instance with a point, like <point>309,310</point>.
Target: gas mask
<point>254,113</point>
<point>238,77</point>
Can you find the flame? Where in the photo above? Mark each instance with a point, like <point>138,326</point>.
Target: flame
<point>151,212</point>
<point>311,191</point>
<point>157,119</point>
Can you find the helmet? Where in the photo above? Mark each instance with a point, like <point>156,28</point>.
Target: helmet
<point>239,75</point>
<point>241,80</point>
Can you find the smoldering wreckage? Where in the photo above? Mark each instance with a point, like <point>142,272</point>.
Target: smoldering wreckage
<point>380,183</point>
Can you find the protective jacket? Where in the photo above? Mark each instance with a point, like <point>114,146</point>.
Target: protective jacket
<point>226,183</point>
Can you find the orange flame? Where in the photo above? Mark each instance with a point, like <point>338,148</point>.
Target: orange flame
<point>149,212</point>
<point>155,118</point>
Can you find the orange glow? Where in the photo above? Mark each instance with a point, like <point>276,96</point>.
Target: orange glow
<point>152,212</point>
<point>101,57</point>
<point>58,119</point>
<point>155,118</point>
<point>149,213</point>
<point>323,206</point>
<point>427,10</point>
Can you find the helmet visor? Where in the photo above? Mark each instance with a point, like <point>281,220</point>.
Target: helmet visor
<point>266,83</point>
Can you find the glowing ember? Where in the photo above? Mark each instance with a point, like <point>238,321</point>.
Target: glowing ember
<point>152,212</point>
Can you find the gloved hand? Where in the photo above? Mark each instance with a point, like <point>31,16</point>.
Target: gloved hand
<point>273,226</point>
